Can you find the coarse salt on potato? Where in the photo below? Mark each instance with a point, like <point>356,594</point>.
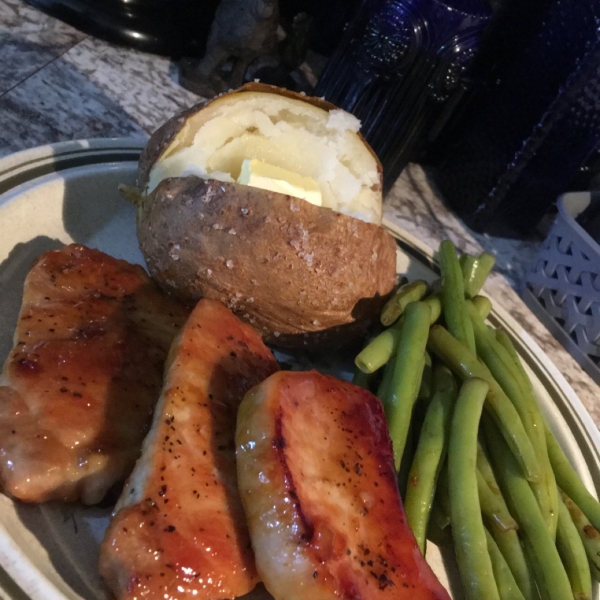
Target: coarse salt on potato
<point>304,274</point>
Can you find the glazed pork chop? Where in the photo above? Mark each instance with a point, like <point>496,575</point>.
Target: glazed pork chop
<point>318,485</point>
<point>79,386</point>
<point>179,529</point>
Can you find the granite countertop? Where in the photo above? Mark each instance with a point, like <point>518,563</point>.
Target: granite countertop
<point>59,84</point>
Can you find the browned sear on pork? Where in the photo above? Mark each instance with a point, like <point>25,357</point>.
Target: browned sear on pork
<point>179,529</point>
<point>80,384</point>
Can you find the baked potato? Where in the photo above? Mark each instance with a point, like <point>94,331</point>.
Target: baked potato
<point>302,274</point>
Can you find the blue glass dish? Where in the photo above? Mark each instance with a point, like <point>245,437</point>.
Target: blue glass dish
<point>401,69</point>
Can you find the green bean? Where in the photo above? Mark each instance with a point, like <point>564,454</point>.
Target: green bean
<point>511,359</point>
<point>507,353</point>
<point>476,271</point>
<point>383,390</point>
<point>485,468</point>
<point>569,481</point>
<point>509,544</point>
<point>483,305</point>
<point>499,516</point>
<point>438,530</point>
<point>407,456</point>
<point>425,389</point>
<point>507,541</point>
<point>430,453</point>
<point>501,366</point>
<point>588,533</point>
<point>527,513</point>
<point>383,347</point>
<point>573,554</point>
<point>465,365</point>
<point>507,586</point>
<point>468,266</point>
<point>402,297</point>
<point>493,508</point>
<point>536,567</point>
<point>435,304</point>
<point>442,490</point>
<point>505,341</point>
<point>379,350</point>
<point>468,532</point>
<point>527,388</point>
<point>406,377</point>
<point>453,296</point>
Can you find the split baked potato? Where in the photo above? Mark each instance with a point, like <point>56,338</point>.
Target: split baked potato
<point>301,273</point>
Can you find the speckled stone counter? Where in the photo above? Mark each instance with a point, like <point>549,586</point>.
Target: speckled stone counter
<point>59,84</point>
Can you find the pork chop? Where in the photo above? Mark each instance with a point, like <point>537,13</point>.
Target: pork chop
<point>179,529</point>
<point>318,485</point>
<point>80,383</point>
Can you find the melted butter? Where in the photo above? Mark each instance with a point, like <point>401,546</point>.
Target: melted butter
<point>256,173</point>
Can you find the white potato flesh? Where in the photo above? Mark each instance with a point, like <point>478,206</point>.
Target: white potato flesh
<point>283,132</point>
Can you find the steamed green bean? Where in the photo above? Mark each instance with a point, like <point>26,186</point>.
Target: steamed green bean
<point>406,376</point>
<point>573,553</point>
<point>495,357</point>
<point>507,541</point>
<point>589,535</point>
<point>402,297</point>
<point>527,513</point>
<point>507,586</point>
<point>458,358</point>
<point>453,296</point>
<point>431,450</point>
<point>468,532</point>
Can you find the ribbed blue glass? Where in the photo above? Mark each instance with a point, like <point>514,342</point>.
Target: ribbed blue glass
<point>521,140</point>
<point>401,70</point>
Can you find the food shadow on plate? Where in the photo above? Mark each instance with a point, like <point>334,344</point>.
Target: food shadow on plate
<point>330,351</point>
<point>10,588</point>
<point>258,593</point>
<point>447,558</point>
<point>86,213</point>
<point>94,213</point>
<point>13,271</point>
<point>71,536</point>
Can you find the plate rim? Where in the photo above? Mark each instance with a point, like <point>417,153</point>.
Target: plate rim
<point>28,165</point>
<point>53,158</point>
<point>57,151</point>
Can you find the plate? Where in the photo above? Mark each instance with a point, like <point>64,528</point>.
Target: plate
<point>66,193</point>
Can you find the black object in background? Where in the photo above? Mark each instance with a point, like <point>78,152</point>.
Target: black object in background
<point>172,28</point>
<point>522,136</point>
<point>401,69</point>
<point>329,20</point>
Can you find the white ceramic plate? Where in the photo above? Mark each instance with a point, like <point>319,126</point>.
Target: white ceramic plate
<point>58,194</point>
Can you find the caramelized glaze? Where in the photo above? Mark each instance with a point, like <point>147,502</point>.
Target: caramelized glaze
<point>179,530</point>
<point>317,481</point>
<point>79,386</point>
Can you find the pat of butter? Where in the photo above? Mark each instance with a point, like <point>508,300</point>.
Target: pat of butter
<point>256,173</point>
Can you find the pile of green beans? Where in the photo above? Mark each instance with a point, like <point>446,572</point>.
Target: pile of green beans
<point>471,445</point>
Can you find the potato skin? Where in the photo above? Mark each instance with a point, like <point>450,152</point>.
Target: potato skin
<point>303,275</point>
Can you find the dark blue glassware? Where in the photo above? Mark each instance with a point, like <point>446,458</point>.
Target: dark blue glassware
<point>401,69</point>
<point>521,139</point>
